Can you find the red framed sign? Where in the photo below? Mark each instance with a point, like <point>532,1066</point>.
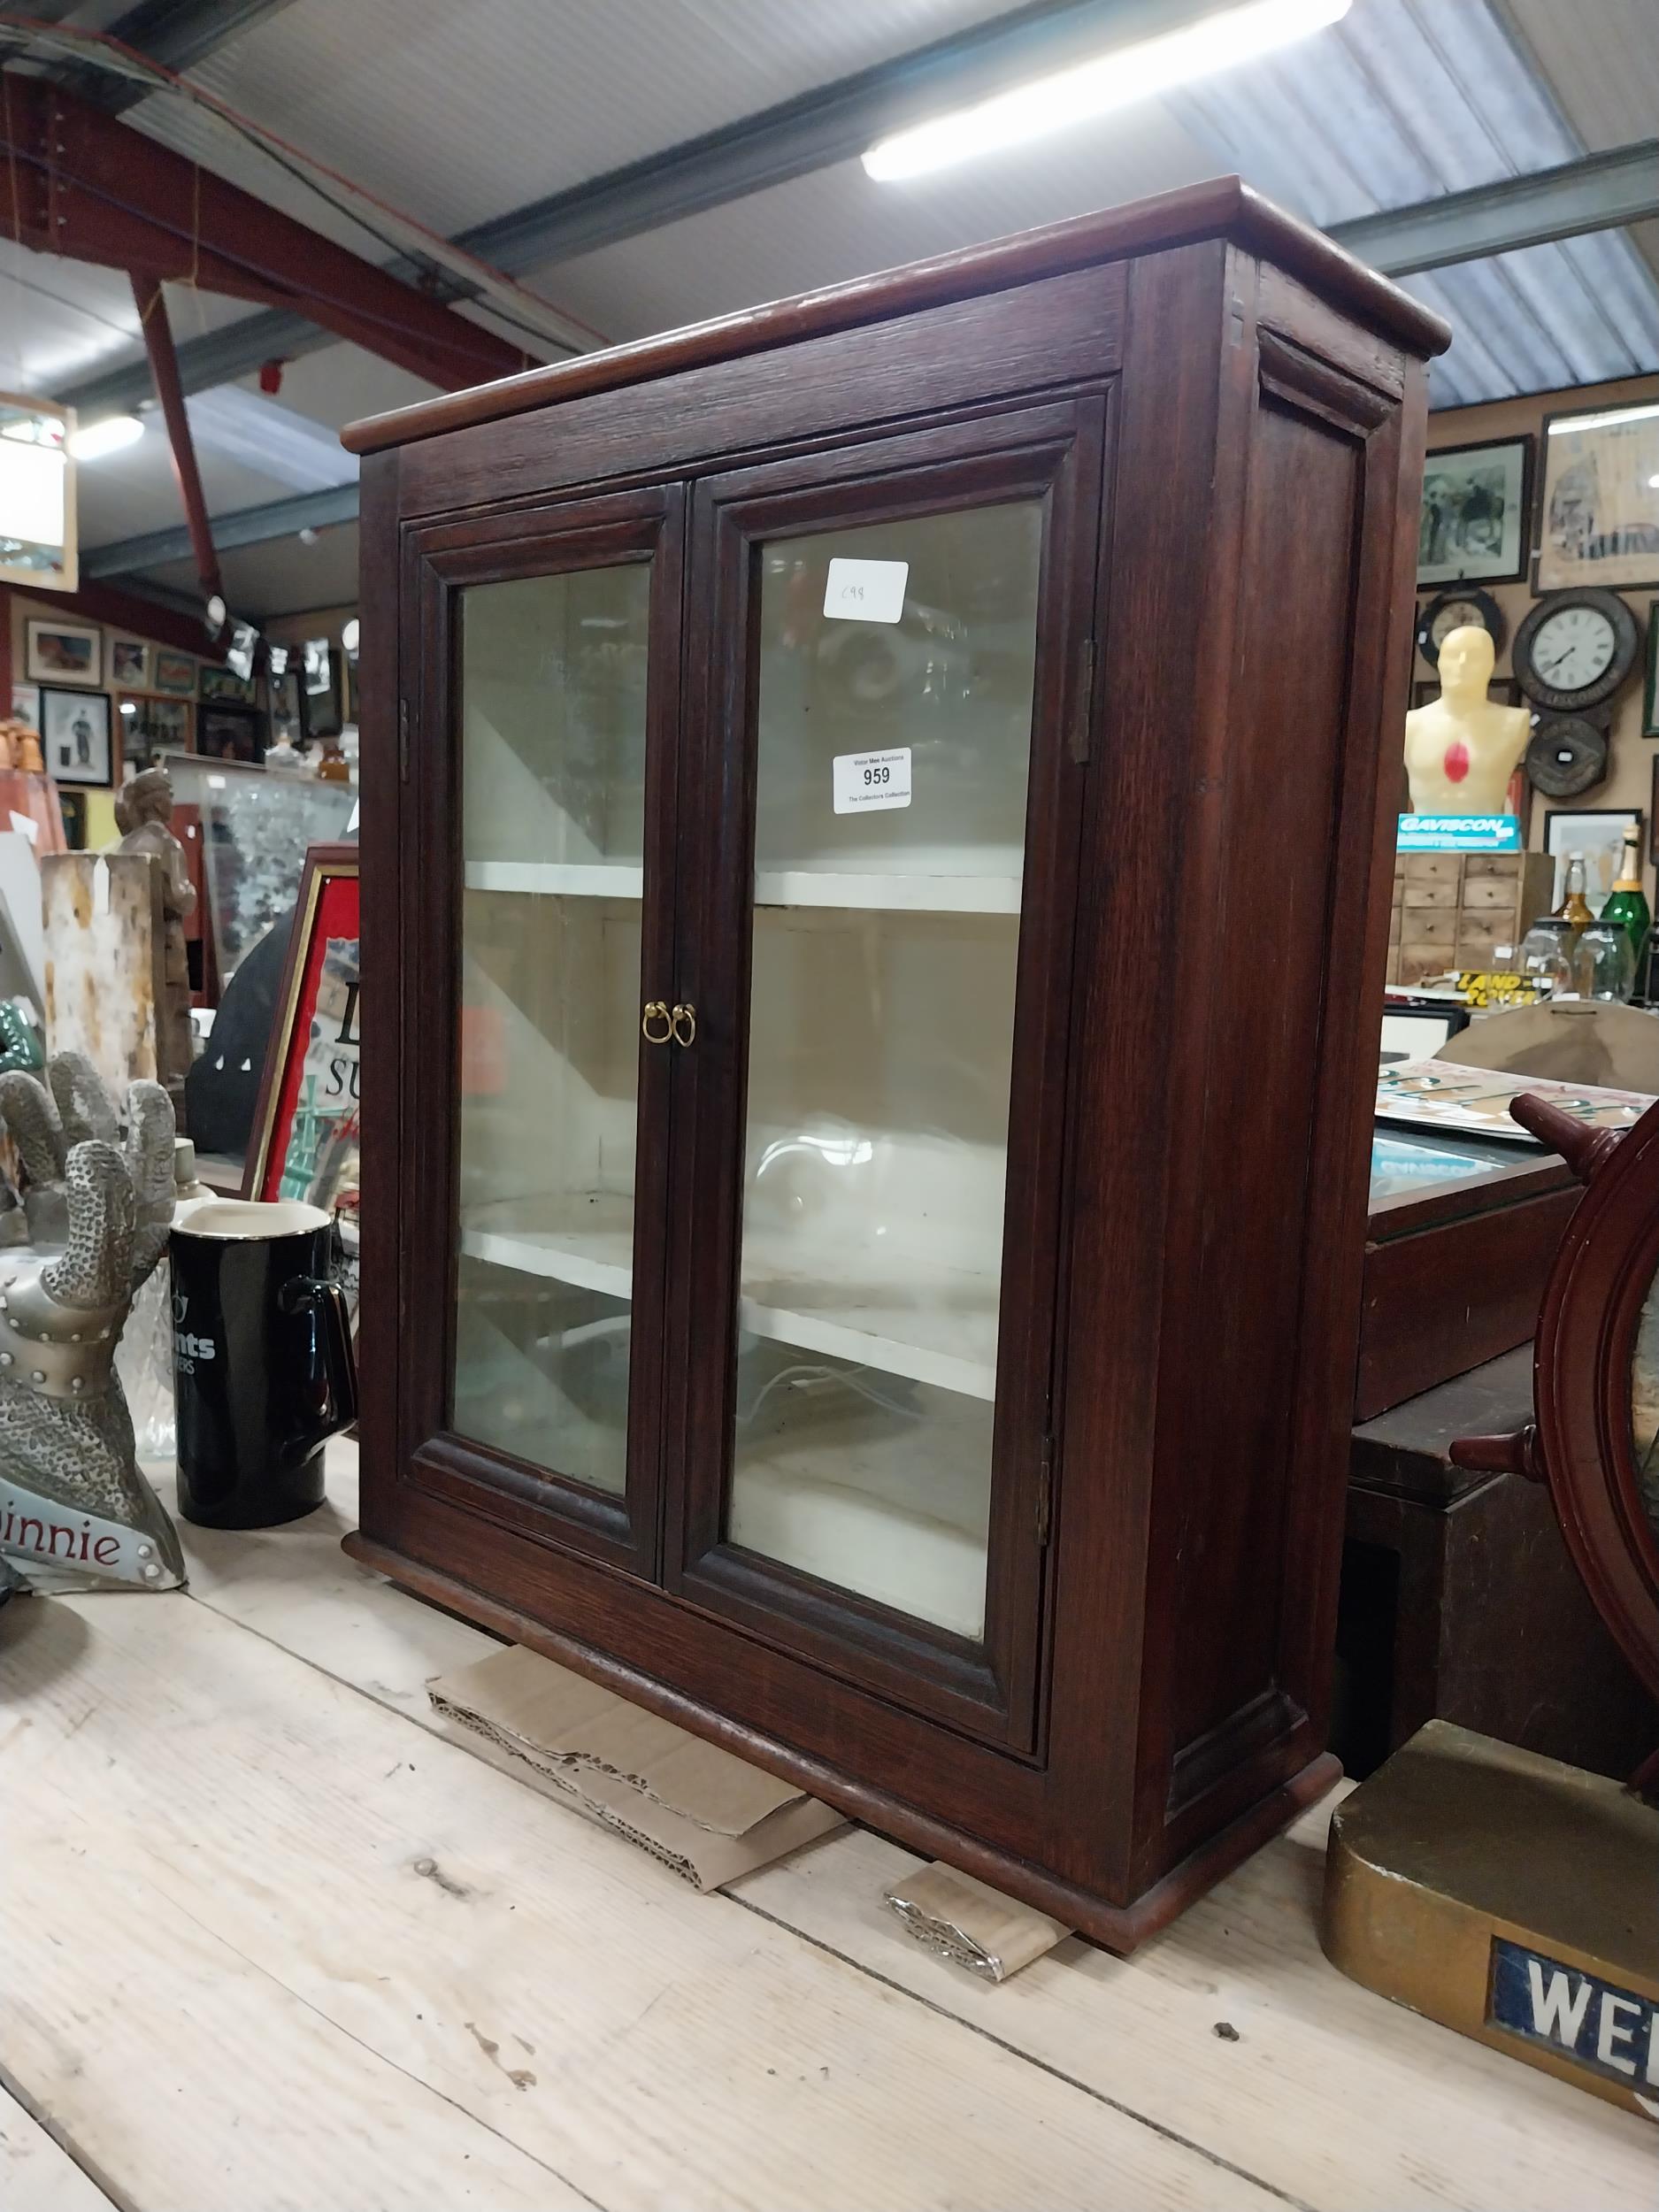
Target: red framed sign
<point>306,1139</point>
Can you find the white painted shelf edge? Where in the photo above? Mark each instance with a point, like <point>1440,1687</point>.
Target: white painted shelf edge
<point>577,1259</point>
<point>938,893</point>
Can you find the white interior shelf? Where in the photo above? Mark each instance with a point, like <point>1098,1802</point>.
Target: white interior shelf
<point>581,879</point>
<point>886,889</point>
<point>943,1332</point>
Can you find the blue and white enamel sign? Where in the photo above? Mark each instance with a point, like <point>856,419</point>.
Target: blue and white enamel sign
<point>1609,2032</point>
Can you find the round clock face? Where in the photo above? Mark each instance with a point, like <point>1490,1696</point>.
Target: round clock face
<point>1573,649</point>
<point>1453,614</point>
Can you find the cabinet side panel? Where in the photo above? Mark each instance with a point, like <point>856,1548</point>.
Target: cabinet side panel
<point>381,844</point>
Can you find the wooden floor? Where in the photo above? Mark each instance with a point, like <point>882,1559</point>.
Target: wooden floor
<point>266,1941</point>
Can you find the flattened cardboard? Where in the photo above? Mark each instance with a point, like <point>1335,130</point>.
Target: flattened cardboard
<point>702,1812</point>
<point>971,1925</point>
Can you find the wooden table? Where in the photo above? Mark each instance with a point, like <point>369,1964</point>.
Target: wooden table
<point>268,1941</point>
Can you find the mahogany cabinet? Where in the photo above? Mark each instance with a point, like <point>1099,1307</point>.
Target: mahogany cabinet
<point>845,1260</point>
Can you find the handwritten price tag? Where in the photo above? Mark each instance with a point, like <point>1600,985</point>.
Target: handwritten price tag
<point>865,783</point>
<point>866,591</point>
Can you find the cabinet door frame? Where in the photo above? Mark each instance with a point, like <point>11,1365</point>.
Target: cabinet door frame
<point>439,561</point>
<point>1056,450</point>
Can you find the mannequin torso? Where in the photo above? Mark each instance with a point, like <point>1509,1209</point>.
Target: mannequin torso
<point>1461,750</point>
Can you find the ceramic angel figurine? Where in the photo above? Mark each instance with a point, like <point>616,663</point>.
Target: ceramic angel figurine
<point>75,1513</point>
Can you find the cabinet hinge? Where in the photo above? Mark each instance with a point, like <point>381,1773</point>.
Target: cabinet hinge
<point>1045,1491</point>
<point>402,741</point>
<point>1083,704</point>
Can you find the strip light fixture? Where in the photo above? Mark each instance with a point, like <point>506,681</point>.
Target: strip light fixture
<point>1115,80</point>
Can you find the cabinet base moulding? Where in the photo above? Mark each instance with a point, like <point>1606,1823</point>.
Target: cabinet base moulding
<point>1118,1928</point>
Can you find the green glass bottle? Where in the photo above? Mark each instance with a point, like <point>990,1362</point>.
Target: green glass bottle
<point>1628,902</point>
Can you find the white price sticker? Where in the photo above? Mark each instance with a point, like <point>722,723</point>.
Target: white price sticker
<point>867,782</point>
<point>24,825</point>
<point>866,591</point>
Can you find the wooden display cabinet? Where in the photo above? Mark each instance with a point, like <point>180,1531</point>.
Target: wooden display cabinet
<point>845,1262</point>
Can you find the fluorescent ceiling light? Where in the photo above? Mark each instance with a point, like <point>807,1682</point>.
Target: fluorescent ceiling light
<point>1566,426</point>
<point>108,436</point>
<point>1116,80</point>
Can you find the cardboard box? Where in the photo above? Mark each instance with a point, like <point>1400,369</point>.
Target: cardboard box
<point>704,1813</point>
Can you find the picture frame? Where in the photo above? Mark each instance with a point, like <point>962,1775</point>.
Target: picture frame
<point>1477,512</point>
<point>303,1143</point>
<point>129,665</point>
<point>1598,832</point>
<point>73,807</point>
<point>76,738</point>
<point>324,687</point>
<point>175,674</point>
<point>230,734</point>
<point>64,653</point>
<point>1502,691</point>
<point>152,725</point>
<point>1650,683</point>
<point>287,718</point>
<point>1598,508</point>
<point>26,705</point>
<point>223,686</point>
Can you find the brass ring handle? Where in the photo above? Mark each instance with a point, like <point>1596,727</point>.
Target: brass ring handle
<point>688,1034</point>
<point>655,1011</point>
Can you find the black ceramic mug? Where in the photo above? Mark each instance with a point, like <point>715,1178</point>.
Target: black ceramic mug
<point>263,1367</point>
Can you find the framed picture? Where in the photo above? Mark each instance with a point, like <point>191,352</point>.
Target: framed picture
<point>304,1138</point>
<point>26,705</point>
<point>175,672</point>
<point>75,736</point>
<point>1650,688</point>
<point>150,726</point>
<point>1598,832</point>
<point>65,653</point>
<point>325,698</point>
<point>229,733</point>
<point>129,665</point>
<point>1599,515</point>
<point>1502,691</point>
<point>224,685</point>
<point>286,717</point>
<point>1476,500</point>
<point>73,806</point>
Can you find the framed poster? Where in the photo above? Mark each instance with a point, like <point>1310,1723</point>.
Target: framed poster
<point>149,727</point>
<point>26,705</point>
<point>1477,501</point>
<point>1599,515</point>
<point>176,674</point>
<point>230,734</point>
<point>1650,688</point>
<point>223,686</point>
<point>75,736</point>
<point>129,663</point>
<point>64,653</point>
<point>1598,832</point>
<point>304,1138</point>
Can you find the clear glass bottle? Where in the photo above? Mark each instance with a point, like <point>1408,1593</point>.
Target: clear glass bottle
<point>1544,956</point>
<point>1604,966</point>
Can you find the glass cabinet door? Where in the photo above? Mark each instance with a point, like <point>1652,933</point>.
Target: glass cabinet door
<point>908,639</point>
<point>563,683</point>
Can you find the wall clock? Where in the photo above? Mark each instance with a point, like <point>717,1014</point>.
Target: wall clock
<point>1565,755</point>
<point>1575,648</point>
<point>1453,609</point>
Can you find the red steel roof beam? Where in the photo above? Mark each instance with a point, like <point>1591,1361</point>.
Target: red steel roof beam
<point>75,181</point>
<point>164,367</point>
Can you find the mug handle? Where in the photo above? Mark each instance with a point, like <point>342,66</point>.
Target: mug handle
<point>330,1382</point>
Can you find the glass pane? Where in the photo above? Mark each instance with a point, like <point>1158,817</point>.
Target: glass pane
<point>885,936</point>
<point>552,691</point>
<point>1644,1406</point>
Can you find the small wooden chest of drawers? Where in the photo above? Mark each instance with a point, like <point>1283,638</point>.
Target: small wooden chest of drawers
<point>1460,910</point>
